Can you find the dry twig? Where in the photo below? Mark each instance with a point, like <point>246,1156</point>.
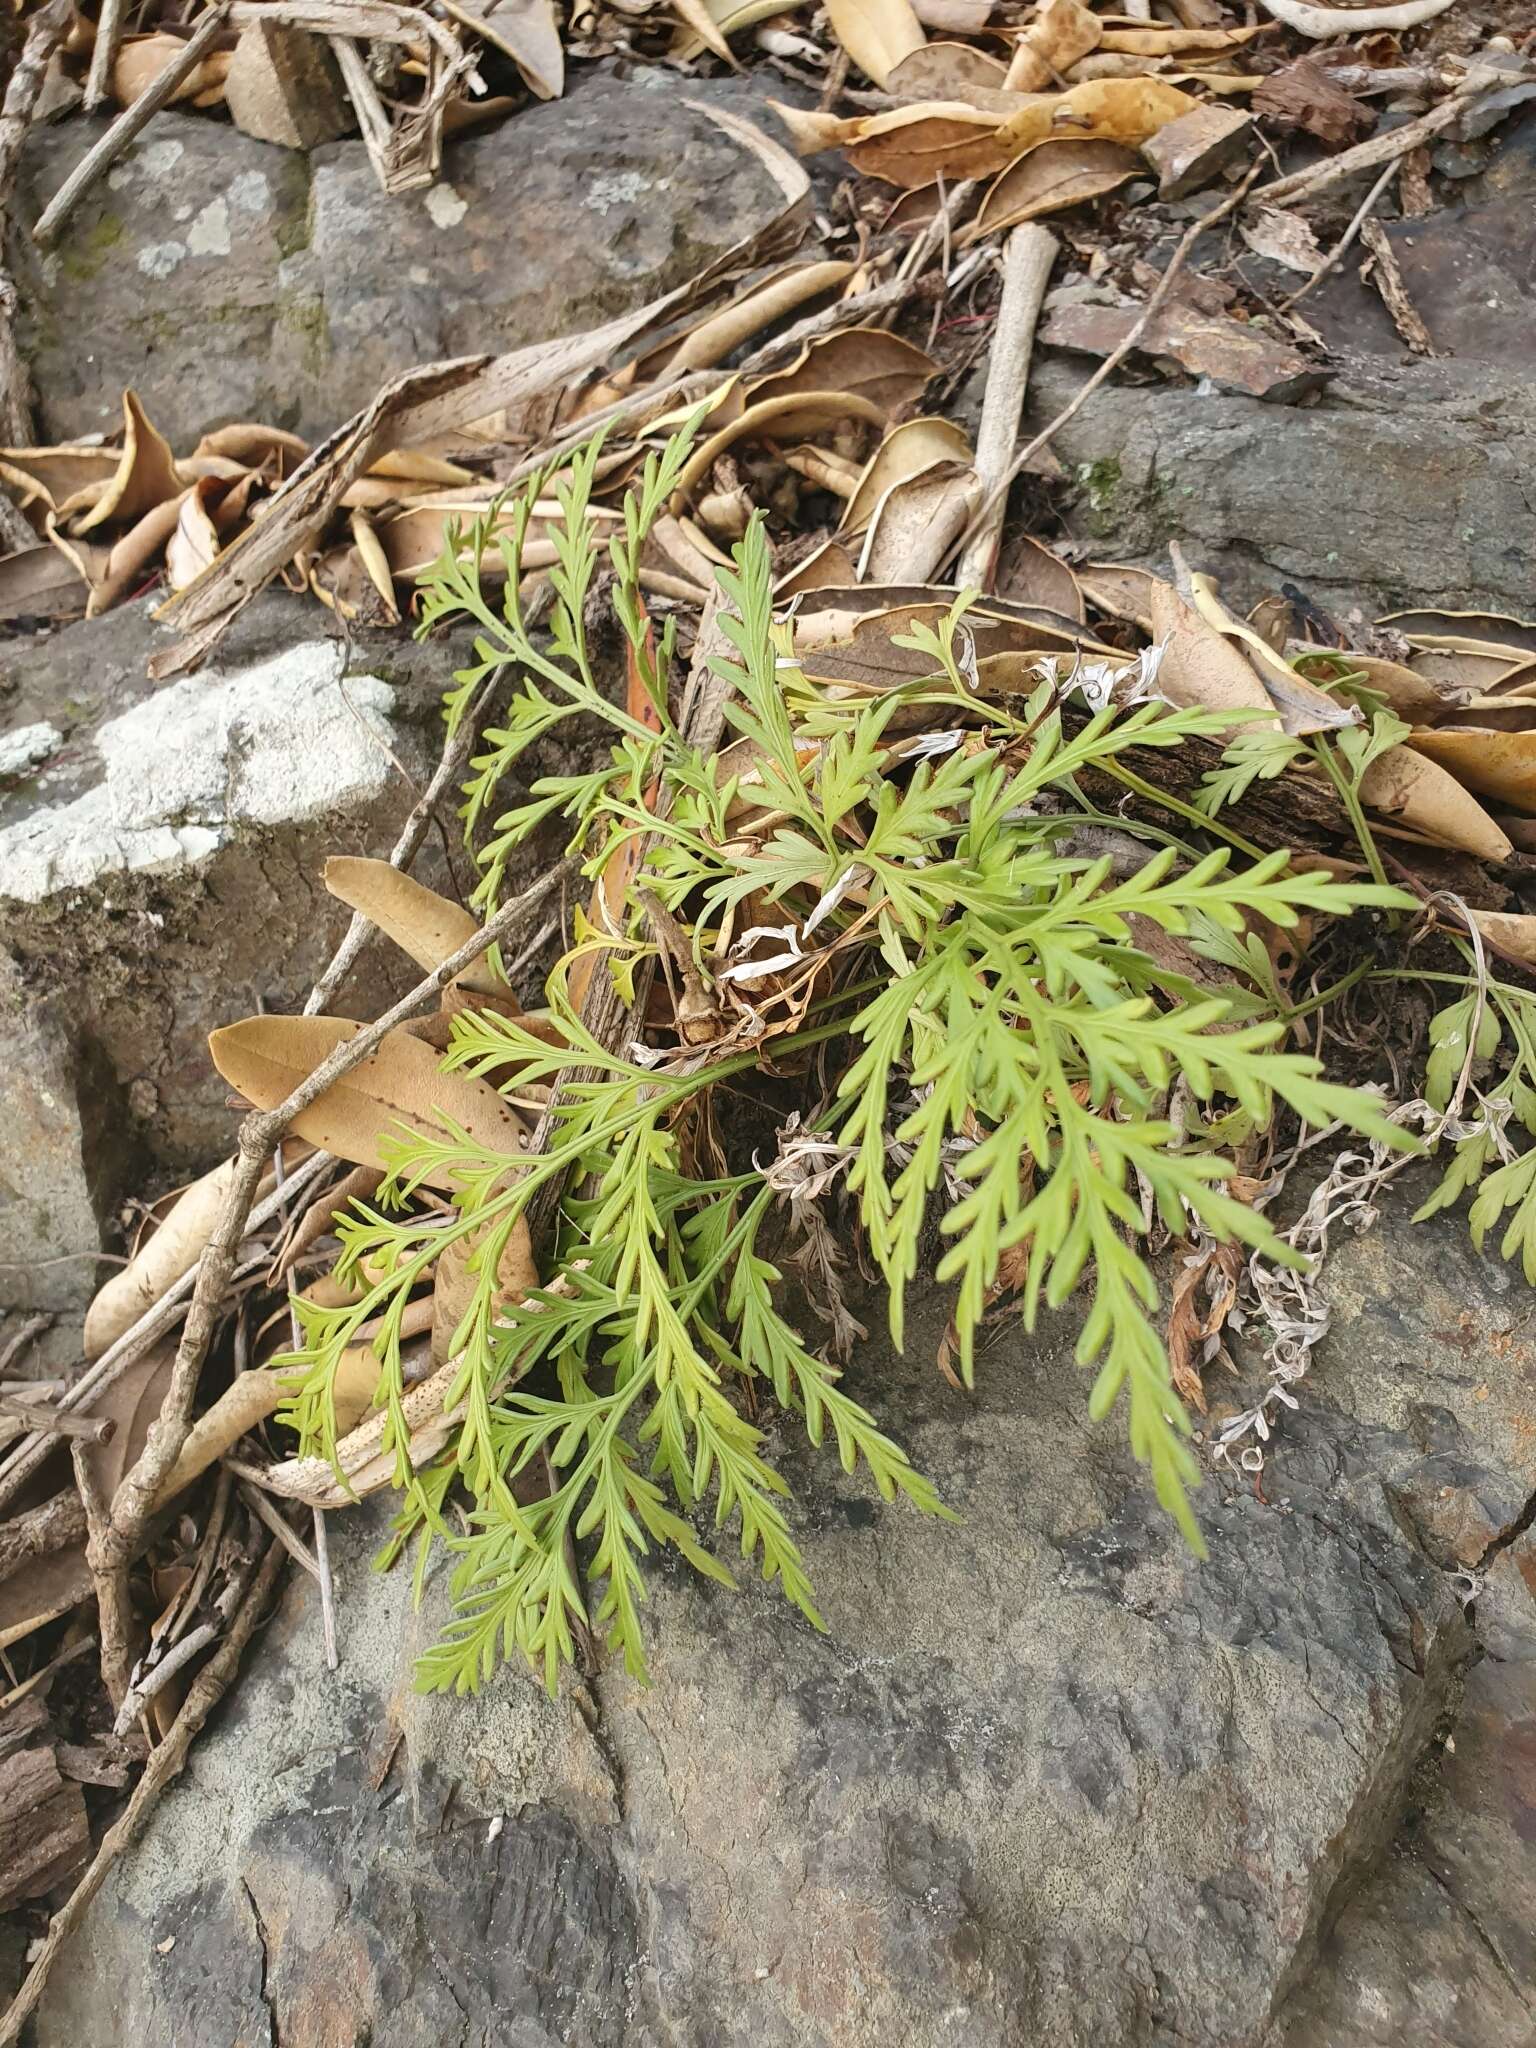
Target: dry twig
<point>1031,252</point>
<point>99,160</point>
<point>165,1763</point>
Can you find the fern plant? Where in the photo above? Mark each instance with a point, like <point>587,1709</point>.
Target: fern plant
<point>998,1045</point>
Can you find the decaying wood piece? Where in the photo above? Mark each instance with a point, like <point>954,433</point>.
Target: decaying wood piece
<point>44,1833</point>
<point>1230,352</point>
<point>38,1532</point>
<point>1387,277</point>
<point>1027,262</point>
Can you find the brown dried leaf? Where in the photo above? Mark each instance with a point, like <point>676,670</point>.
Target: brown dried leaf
<point>1056,175</point>
<point>455,1279</point>
<point>907,451</point>
<point>400,1084</point>
<point>916,523</point>
<point>425,926</point>
<point>1423,798</point>
<point>1059,33</point>
<point>947,71</point>
<point>1029,572</point>
<point>1201,666</point>
<point>1498,765</point>
<point>145,476</point>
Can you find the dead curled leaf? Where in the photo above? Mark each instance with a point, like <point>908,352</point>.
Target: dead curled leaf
<point>425,926</point>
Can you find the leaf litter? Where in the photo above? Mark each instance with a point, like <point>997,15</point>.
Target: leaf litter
<point>986,885</point>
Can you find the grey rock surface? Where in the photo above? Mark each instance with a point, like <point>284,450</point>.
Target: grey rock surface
<point>1046,1780</point>
<point>160,870</point>
<point>224,278</point>
<point>1409,483</point>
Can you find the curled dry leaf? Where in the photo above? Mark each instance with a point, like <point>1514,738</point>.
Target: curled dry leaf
<point>1120,591</point>
<point>1059,33</point>
<point>916,524</point>
<point>1201,666</point>
<point>402,1083</point>
<point>1511,932</point>
<point>1409,695</point>
<point>1302,706</point>
<point>916,146</point>
<point>793,414</point>
<point>141,59</point>
<point>145,474</point>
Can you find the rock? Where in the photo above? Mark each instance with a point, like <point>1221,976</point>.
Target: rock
<point>1233,355</point>
<point>1405,484</point>
<point>1046,1780</point>
<point>161,873</point>
<point>283,86</point>
<point>1190,152</point>
<point>28,746</point>
<point>224,278</point>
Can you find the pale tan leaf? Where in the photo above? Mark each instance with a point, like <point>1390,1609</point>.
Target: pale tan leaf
<point>173,1250</point>
<point>830,566</point>
<point>195,540</point>
<point>946,71</point>
<point>401,1084</point>
<point>1119,590</point>
<point>527,31</point>
<point>877,34</point>
<point>1302,706</point>
<point>1423,798</point>
<point>793,414</point>
<point>1059,33</point>
<point>1498,765</point>
<point>1513,932</point>
<point>1408,694</point>
<point>1199,665</point>
<point>456,1277</point>
<point>425,926</point>
<point>865,362</point>
<point>916,523</point>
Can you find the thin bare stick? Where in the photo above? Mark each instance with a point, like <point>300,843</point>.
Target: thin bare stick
<point>258,1502</point>
<point>109,36</point>
<point>1381,148</point>
<point>272,1517</point>
<point>98,160</point>
<point>158,1676</point>
<point>154,1324</point>
<point>1342,246</point>
<point>92,1429</point>
<point>935,236</point>
<point>1027,262</point>
<point>114,1618</point>
<point>12,1349</point>
<point>1116,357</point>
<point>165,1763</point>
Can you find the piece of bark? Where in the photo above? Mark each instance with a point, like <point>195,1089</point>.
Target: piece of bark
<point>1382,271</point>
<point>1190,152</point>
<point>1307,96</point>
<point>1206,345</point>
<point>283,86</point>
<point>44,1833</point>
